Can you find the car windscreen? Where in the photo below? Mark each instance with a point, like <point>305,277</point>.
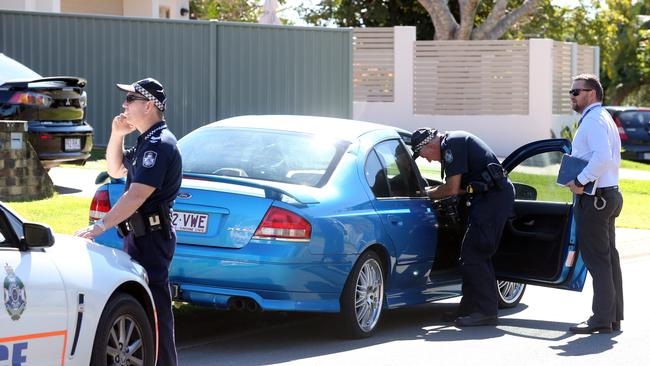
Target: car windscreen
<point>11,69</point>
<point>270,155</point>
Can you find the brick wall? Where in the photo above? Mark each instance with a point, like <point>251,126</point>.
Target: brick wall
<point>22,177</point>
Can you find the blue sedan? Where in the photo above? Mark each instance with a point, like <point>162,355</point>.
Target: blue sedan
<point>315,214</point>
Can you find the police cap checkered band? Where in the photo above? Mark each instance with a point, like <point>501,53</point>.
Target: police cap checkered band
<point>421,137</point>
<point>151,89</point>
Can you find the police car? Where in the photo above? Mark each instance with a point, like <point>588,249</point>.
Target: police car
<point>68,301</point>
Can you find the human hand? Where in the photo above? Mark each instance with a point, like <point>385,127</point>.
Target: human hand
<point>574,188</point>
<point>121,127</point>
<point>89,232</point>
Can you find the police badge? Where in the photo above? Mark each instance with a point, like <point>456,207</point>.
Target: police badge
<point>15,297</point>
<point>449,156</point>
<point>149,159</point>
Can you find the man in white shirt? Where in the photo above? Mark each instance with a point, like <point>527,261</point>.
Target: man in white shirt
<point>597,140</point>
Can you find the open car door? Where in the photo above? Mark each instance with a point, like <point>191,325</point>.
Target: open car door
<point>538,245</point>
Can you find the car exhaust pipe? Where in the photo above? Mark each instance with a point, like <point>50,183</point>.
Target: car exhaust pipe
<point>251,306</point>
<point>237,304</point>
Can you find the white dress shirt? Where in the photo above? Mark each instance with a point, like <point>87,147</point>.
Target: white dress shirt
<point>597,140</point>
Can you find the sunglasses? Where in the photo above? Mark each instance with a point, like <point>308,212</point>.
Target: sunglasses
<point>576,92</point>
<point>131,98</point>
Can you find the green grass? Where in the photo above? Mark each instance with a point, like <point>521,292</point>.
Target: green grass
<point>635,165</point>
<point>64,214</point>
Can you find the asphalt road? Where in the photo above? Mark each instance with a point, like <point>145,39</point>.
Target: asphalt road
<point>534,333</point>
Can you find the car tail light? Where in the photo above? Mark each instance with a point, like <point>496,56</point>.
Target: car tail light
<point>282,224</point>
<point>621,130</point>
<point>29,98</point>
<point>100,205</point>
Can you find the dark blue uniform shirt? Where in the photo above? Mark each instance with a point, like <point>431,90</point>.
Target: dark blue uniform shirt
<point>465,154</point>
<point>155,161</point>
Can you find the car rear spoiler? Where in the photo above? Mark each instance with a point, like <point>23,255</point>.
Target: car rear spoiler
<point>270,191</point>
<point>68,80</point>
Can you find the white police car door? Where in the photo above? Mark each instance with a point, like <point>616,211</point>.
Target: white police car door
<point>33,310</point>
<point>539,245</point>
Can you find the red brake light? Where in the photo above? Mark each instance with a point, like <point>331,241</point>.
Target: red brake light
<point>621,130</point>
<point>100,205</point>
<point>29,98</point>
<point>282,224</point>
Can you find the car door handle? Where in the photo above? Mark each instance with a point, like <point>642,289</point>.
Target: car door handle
<point>395,220</point>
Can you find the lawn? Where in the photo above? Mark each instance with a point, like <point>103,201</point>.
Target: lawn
<point>65,214</point>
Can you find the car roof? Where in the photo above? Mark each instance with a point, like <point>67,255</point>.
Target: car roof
<point>624,108</point>
<point>339,128</point>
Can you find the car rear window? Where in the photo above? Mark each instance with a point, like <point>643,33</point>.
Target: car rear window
<point>634,118</point>
<point>11,69</point>
<point>270,155</point>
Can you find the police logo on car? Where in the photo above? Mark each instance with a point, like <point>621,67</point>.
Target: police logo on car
<point>149,159</point>
<point>15,296</point>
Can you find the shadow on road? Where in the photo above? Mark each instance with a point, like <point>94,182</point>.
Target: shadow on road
<point>587,345</point>
<point>291,337</point>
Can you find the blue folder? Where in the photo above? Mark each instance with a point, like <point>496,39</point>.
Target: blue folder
<point>570,168</point>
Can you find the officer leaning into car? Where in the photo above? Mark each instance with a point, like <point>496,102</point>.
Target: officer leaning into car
<point>472,170</point>
<point>142,215</point>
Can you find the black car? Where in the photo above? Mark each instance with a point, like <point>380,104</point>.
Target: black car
<point>54,107</point>
<point>634,128</point>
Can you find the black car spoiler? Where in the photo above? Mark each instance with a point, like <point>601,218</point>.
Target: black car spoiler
<point>68,80</point>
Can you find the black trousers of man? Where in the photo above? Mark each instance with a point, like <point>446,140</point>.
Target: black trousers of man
<point>154,251</point>
<point>596,237</point>
<point>488,214</point>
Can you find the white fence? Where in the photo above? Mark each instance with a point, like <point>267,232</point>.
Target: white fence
<point>507,92</point>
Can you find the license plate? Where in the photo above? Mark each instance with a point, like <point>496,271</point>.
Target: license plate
<point>190,222</point>
<point>646,156</point>
<point>72,144</point>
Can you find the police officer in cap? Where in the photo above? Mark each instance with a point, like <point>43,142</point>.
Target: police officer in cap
<point>472,169</point>
<point>143,214</point>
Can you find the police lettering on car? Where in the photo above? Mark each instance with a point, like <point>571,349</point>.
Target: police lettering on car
<point>143,214</point>
<point>471,169</point>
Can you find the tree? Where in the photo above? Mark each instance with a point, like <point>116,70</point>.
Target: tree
<point>225,10</point>
<point>495,25</point>
<point>229,10</point>
<point>370,13</point>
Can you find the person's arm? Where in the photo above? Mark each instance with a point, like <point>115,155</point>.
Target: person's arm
<point>115,148</point>
<point>130,201</point>
<point>451,187</point>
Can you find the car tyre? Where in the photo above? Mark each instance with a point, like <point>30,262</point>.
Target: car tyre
<point>509,293</point>
<point>362,298</point>
<point>124,334</point>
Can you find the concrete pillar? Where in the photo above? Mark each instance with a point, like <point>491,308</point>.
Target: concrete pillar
<point>22,177</point>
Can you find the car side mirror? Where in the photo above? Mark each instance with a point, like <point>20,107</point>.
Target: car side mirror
<point>37,235</point>
<point>525,192</point>
<point>103,178</point>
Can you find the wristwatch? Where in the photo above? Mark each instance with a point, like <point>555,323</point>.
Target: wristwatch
<point>100,223</point>
<point>577,183</point>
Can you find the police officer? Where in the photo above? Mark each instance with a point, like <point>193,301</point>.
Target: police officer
<point>142,215</point>
<point>597,140</point>
<point>472,169</point>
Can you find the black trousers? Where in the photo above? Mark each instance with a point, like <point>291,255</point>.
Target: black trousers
<point>596,239</point>
<point>154,252</point>
<point>487,217</point>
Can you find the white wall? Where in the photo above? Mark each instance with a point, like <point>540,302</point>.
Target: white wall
<point>504,133</point>
<point>141,8</point>
<point>175,8</point>
<point>32,5</point>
